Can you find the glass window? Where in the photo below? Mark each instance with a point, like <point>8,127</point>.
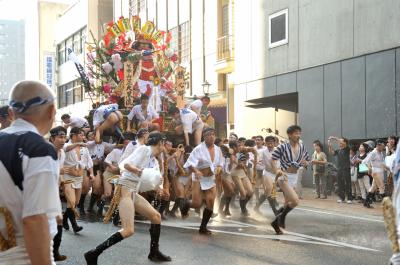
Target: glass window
<point>61,53</point>
<point>78,95</point>
<point>174,44</point>
<point>83,40</point>
<point>77,43</point>
<point>134,7</point>
<point>184,49</point>
<point>68,45</point>
<point>225,20</point>
<point>278,28</point>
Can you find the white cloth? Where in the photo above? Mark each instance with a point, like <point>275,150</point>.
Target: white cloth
<point>265,159</point>
<point>113,157</point>
<point>259,165</point>
<point>97,151</point>
<point>39,193</point>
<point>190,120</point>
<point>200,158</point>
<point>376,160</point>
<point>98,116</point>
<point>154,100</point>
<point>141,158</point>
<point>61,158</point>
<point>71,158</point>
<point>129,149</point>
<point>78,122</point>
<point>137,112</point>
<point>196,105</point>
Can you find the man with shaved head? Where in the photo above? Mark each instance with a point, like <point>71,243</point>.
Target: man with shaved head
<point>29,174</point>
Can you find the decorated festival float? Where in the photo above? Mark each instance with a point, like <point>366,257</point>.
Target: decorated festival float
<point>130,60</point>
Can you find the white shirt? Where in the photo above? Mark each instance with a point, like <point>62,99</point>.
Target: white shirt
<point>188,117</point>
<point>196,105</point>
<point>114,157</point>
<point>61,158</point>
<point>141,158</point>
<point>129,149</point>
<point>376,160</point>
<point>97,151</point>
<point>78,122</point>
<point>266,159</point>
<point>71,158</point>
<point>98,116</point>
<point>200,158</point>
<point>259,165</point>
<point>33,187</point>
<point>137,112</point>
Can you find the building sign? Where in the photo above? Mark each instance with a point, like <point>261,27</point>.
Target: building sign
<point>48,73</point>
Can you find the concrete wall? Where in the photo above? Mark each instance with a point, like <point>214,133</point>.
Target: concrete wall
<point>357,98</point>
<point>320,32</point>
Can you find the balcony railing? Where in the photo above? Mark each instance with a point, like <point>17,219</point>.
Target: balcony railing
<point>225,48</point>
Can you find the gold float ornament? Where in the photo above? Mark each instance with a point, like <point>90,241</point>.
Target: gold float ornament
<point>123,24</point>
<point>158,36</point>
<point>148,29</point>
<point>135,22</point>
<point>156,80</point>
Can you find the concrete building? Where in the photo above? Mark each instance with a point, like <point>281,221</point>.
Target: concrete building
<point>72,30</point>
<point>49,12</point>
<point>12,56</point>
<point>330,66</point>
<point>202,39</point>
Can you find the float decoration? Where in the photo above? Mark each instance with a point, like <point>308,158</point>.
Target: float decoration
<point>130,60</point>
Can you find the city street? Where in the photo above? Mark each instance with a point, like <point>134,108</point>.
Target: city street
<point>313,236</point>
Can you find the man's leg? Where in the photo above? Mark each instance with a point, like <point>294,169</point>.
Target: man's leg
<point>144,208</point>
<point>341,185</point>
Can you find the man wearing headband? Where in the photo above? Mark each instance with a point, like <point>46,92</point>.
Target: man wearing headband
<point>203,162</point>
<point>131,172</point>
<point>77,157</point>
<point>29,176</point>
<point>5,119</point>
<point>144,114</point>
<point>58,136</point>
<point>74,121</point>
<point>142,136</point>
<point>190,124</point>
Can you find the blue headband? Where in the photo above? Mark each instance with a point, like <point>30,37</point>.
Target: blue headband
<point>21,107</point>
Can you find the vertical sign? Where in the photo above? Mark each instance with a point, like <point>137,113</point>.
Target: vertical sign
<point>48,70</point>
<point>180,86</point>
<point>128,83</point>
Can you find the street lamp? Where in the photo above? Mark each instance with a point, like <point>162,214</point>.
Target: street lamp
<point>206,87</point>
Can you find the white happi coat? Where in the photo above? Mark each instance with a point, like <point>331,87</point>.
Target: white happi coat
<point>200,158</point>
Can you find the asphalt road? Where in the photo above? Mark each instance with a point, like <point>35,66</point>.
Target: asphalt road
<point>312,237</point>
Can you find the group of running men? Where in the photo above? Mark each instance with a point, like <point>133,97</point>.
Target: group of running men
<point>191,178</point>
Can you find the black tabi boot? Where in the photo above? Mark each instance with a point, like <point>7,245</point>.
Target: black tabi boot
<point>206,218</point>
<point>185,207</point>
<point>172,212</point>
<point>72,219</point>
<point>260,202</point>
<point>161,209</point>
<point>92,202</point>
<point>282,216</point>
<point>56,245</point>
<point>92,255</point>
<point>275,223</point>
<point>100,207</point>
<point>81,204</point>
<point>155,253</point>
<point>115,217</point>
<point>272,203</point>
<point>243,207</point>
<point>65,220</point>
<point>368,200</point>
<point>227,204</point>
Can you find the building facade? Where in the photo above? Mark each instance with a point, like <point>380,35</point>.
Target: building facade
<point>73,30</point>
<point>330,66</point>
<point>12,56</point>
